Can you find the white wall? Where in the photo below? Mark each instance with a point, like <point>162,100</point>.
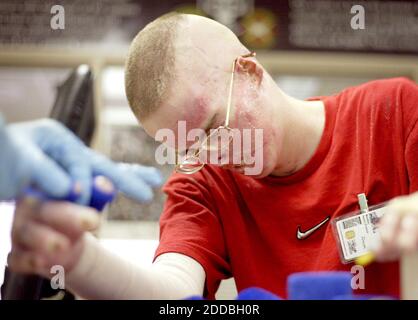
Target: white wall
<point>6,218</point>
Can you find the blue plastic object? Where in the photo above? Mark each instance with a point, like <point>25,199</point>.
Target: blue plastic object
<point>254,293</point>
<point>319,285</point>
<point>102,192</point>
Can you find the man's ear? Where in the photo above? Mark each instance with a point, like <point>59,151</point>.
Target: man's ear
<point>249,66</point>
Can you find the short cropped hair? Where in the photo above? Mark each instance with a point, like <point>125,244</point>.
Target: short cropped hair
<point>149,68</point>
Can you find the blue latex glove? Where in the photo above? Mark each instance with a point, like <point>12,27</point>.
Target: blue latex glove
<point>48,155</point>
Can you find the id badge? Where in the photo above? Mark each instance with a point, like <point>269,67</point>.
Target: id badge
<point>357,232</point>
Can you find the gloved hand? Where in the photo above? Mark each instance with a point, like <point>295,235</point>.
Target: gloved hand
<point>48,155</point>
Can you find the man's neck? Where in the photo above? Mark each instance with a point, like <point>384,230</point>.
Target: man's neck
<point>303,125</point>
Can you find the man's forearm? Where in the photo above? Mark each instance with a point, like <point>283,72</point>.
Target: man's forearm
<point>102,275</point>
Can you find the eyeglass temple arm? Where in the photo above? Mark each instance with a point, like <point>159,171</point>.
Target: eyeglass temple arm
<point>231,86</point>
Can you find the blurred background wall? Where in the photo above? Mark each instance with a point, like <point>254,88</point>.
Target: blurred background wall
<point>310,47</point>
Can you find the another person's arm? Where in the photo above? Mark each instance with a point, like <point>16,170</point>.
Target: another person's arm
<point>46,154</point>
<point>399,226</point>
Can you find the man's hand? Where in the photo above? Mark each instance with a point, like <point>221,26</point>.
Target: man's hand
<point>399,228</point>
<point>48,233</point>
<point>47,154</point>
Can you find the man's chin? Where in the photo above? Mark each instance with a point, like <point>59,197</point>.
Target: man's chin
<point>260,175</point>
<point>249,171</point>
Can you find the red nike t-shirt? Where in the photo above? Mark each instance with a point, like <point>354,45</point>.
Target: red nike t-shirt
<point>235,225</point>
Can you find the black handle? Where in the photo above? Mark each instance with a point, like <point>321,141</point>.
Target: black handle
<point>74,108</point>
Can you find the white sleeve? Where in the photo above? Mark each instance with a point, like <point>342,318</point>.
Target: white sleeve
<point>102,275</point>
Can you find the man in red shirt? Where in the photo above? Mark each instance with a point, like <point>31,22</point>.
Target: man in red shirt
<point>318,155</point>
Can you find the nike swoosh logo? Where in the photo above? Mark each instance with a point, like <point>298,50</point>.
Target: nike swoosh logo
<point>303,235</point>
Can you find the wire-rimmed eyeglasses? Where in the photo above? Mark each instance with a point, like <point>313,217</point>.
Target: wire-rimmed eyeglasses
<point>191,162</point>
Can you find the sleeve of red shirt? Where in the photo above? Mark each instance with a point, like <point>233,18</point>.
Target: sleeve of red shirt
<point>189,225</point>
<point>409,99</point>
